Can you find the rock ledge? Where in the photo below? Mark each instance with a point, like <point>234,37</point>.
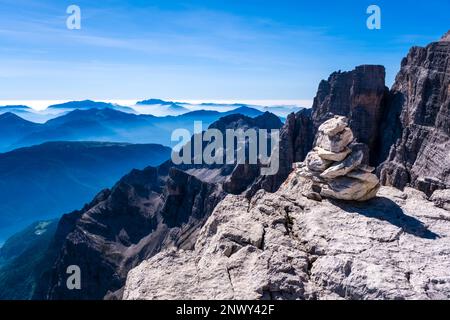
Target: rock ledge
<point>285,246</point>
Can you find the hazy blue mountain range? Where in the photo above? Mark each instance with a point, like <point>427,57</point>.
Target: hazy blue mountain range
<point>280,110</point>
<point>56,110</point>
<point>44,181</point>
<point>105,124</point>
<point>20,110</point>
<point>155,107</point>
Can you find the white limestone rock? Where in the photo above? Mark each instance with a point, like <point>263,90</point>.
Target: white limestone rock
<point>393,247</point>
<point>446,37</point>
<point>334,126</point>
<point>332,156</point>
<point>366,168</point>
<point>350,189</point>
<point>337,143</point>
<point>315,163</point>
<point>441,199</point>
<point>342,168</point>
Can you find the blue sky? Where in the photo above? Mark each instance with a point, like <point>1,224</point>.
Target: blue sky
<point>201,49</point>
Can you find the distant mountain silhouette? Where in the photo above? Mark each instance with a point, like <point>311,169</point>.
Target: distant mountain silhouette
<point>13,127</point>
<point>101,115</point>
<point>42,181</point>
<point>89,104</point>
<point>155,101</point>
<point>237,105</point>
<point>18,108</point>
<point>246,111</point>
<point>28,113</point>
<point>158,106</point>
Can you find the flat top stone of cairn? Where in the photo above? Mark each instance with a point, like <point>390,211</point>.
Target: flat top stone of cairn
<point>334,126</point>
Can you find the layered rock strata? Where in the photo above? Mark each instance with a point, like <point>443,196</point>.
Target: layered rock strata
<point>419,121</point>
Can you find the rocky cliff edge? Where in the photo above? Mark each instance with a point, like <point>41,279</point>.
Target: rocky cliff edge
<point>284,246</point>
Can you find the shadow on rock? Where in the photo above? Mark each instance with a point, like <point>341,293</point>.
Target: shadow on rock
<point>385,209</point>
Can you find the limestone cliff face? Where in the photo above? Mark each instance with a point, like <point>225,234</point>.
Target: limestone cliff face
<point>134,220</point>
<point>418,121</point>
<point>359,95</point>
<point>284,246</point>
<point>446,37</point>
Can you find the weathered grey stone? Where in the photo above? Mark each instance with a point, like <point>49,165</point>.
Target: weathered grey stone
<point>335,125</point>
<point>350,189</point>
<point>332,156</point>
<point>388,248</point>
<point>344,167</point>
<point>316,163</point>
<point>313,196</point>
<point>446,37</point>
<point>363,176</point>
<point>349,179</point>
<point>336,143</point>
<point>358,95</point>
<point>418,126</point>
<point>441,199</point>
<point>366,168</point>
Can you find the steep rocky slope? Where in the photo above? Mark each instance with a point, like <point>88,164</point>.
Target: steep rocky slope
<point>419,117</point>
<point>285,246</point>
<point>21,258</point>
<point>144,213</point>
<point>57,177</point>
<point>360,95</point>
<point>137,218</point>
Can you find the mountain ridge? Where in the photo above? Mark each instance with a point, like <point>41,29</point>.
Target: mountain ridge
<point>61,176</point>
<point>144,212</point>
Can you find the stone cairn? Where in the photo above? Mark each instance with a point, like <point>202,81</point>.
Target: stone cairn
<point>335,168</point>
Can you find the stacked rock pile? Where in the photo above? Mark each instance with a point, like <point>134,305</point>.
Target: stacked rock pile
<point>335,168</point>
